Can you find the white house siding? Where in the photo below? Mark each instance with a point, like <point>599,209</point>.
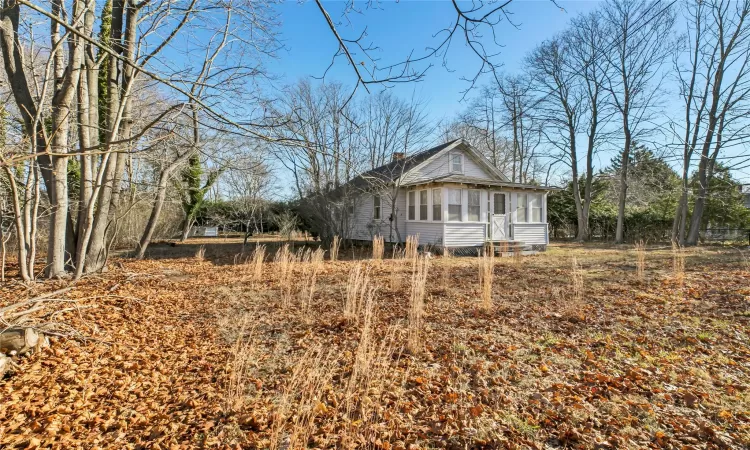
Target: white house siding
<point>440,167</point>
<point>531,233</point>
<point>363,225</point>
<point>464,234</point>
<point>362,217</point>
<point>430,233</point>
<point>448,234</point>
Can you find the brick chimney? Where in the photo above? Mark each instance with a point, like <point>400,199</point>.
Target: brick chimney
<point>397,156</point>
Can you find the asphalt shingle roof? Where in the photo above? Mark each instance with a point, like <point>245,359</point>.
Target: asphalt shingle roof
<point>394,169</point>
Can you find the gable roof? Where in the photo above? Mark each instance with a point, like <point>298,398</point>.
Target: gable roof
<point>389,173</point>
<point>401,169</point>
<point>496,174</point>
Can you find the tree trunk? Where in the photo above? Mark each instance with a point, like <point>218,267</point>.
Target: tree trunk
<point>576,186</point>
<point>186,225</point>
<point>20,227</point>
<point>620,231</point>
<point>585,232</point>
<point>161,194</point>
<point>153,219</point>
<point>62,101</point>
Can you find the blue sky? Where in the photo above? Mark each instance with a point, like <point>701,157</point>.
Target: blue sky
<point>399,28</point>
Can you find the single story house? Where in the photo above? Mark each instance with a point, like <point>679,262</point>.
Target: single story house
<point>452,197</point>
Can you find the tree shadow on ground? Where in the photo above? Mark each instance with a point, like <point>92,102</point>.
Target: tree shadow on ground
<point>220,251</point>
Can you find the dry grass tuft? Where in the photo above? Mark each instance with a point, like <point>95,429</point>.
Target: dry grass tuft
<point>517,254</point>
<point>640,259</point>
<point>356,292</point>
<point>372,377</point>
<point>310,277</point>
<point>378,247</point>
<point>678,261</point>
<point>577,276</point>
<point>335,245</point>
<point>410,251</point>
<point>285,263</point>
<point>395,274</point>
<point>256,262</point>
<point>447,256</point>
<point>364,356</point>
<point>200,254</point>
<point>242,359</point>
<point>486,274</point>
<point>302,400</point>
<point>420,269</point>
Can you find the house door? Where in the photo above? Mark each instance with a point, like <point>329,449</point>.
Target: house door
<point>499,221</point>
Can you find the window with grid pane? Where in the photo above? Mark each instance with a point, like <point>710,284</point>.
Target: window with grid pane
<point>457,162</point>
<point>474,208</point>
<point>412,205</point>
<point>535,208</point>
<point>423,205</point>
<point>437,205</point>
<point>454,204</point>
<point>376,207</point>
<point>522,207</point>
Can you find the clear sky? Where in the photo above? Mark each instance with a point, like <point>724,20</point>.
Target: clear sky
<point>399,28</point>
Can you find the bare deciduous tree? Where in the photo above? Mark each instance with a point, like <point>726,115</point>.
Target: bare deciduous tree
<point>638,46</point>
<point>715,88</point>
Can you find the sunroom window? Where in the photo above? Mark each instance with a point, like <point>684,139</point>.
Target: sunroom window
<point>412,205</point>
<point>529,208</point>
<point>423,205</point>
<point>454,204</point>
<point>437,205</point>
<point>474,206</point>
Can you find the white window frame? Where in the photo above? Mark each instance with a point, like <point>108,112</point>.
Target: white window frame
<point>461,205</point>
<point>426,204</point>
<point>521,218</point>
<point>531,201</point>
<point>377,207</point>
<point>451,167</point>
<point>411,207</point>
<point>437,194</point>
<point>535,205</point>
<point>478,205</point>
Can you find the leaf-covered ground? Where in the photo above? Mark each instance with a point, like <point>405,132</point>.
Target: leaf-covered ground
<point>181,353</point>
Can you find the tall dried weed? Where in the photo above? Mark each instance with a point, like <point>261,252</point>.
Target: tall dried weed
<point>257,259</point>
<point>486,274</point>
<point>678,261</point>
<point>640,259</point>
<point>334,249</point>
<point>378,247</point>
<point>241,360</point>
<point>576,276</point>
<point>285,261</point>
<point>395,274</point>
<point>420,269</point>
<point>302,400</point>
<point>356,292</point>
<point>310,272</point>
<point>446,272</point>
<point>412,244</point>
